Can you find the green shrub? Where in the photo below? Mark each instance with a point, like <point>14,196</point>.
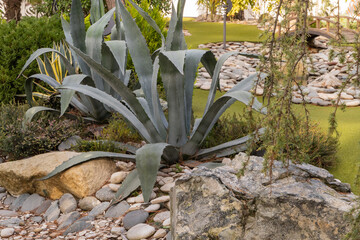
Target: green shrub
<point>104,146</point>
<point>227,128</point>
<point>119,131</point>
<point>318,147</point>
<point>40,136</point>
<point>17,43</point>
<point>46,7</point>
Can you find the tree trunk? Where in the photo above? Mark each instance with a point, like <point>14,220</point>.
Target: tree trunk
<point>12,10</point>
<point>110,4</point>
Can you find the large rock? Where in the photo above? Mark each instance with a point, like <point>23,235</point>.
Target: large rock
<point>82,180</point>
<point>299,202</point>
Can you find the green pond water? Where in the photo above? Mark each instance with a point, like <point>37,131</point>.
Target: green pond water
<point>348,156</point>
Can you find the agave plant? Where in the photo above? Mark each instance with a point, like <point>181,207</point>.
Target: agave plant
<point>90,42</point>
<point>169,139</point>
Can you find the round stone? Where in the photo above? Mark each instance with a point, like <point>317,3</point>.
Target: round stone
<point>135,217</point>
<point>167,187</point>
<point>140,231</point>
<point>105,194</point>
<point>88,203</point>
<point>161,199</point>
<point>152,207</point>
<point>117,230</point>
<point>114,187</point>
<point>162,216</point>
<point>118,177</point>
<point>67,203</point>
<point>160,233</point>
<point>7,232</point>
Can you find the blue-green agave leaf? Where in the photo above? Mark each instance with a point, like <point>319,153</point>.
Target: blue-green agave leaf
<point>85,157</point>
<point>159,116</point>
<point>129,185</point>
<point>124,92</point>
<point>139,52</point>
<point>97,10</point>
<point>228,148</point>
<point>114,104</point>
<point>173,82</point>
<point>215,83</point>
<point>192,60</point>
<point>119,51</point>
<point>148,160</point>
<point>213,114</point>
<point>77,25</point>
<point>67,94</point>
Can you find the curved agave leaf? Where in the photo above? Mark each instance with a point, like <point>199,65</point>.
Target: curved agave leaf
<point>228,148</point>
<point>175,39</point>
<point>130,184</point>
<point>124,92</point>
<point>29,85</point>
<point>215,83</point>
<point>114,104</point>
<point>77,25</point>
<point>66,94</point>
<point>139,52</point>
<point>31,112</point>
<point>94,36</point>
<point>173,82</point>
<point>213,114</point>
<point>93,41</point>
<point>97,10</point>
<point>119,51</point>
<point>148,160</point>
<point>192,60</point>
<point>150,21</point>
<point>42,51</point>
<point>161,122</point>
<point>85,157</point>
<point>116,33</point>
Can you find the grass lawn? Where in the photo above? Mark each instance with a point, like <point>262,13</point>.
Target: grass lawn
<point>206,32</point>
<point>348,121</point>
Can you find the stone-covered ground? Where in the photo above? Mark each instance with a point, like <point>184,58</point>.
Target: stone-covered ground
<point>31,216</point>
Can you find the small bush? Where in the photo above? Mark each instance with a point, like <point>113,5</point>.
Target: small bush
<point>104,146</point>
<point>17,43</point>
<point>227,128</point>
<point>40,136</point>
<point>318,147</point>
<point>314,146</point>
<point>118,130</point>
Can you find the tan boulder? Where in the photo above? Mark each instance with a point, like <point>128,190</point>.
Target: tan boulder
<point>82,180</point>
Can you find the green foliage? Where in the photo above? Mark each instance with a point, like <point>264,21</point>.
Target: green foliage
<point>162,5</point>
<point>47,8</point>
<point>119,131</point>
<point>17,42</point>
<point>227,128</point>
<point>40,136</point>
<point>103,146</point>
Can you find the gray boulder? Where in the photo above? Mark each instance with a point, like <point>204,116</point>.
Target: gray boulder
<point>298,202</point>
